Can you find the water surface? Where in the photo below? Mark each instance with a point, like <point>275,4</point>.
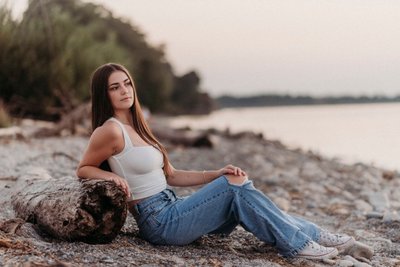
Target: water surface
<point>365,132</point>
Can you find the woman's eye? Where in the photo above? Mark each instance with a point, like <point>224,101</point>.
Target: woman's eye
<point>128,84</point>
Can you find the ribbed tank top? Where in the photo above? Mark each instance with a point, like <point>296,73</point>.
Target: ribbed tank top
<point>141,166</point>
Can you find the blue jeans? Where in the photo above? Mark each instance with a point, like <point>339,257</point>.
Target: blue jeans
<point>219,207</point>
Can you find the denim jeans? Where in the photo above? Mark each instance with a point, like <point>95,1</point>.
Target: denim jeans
<point>218,207</point>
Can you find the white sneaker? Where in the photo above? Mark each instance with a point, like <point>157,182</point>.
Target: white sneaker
<point>341,242</point>
<point>315,251</point>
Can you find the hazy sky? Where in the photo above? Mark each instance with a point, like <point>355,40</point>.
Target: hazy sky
<point>317,47</point>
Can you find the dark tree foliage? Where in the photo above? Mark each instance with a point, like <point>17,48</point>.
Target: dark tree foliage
<point>187,97</point>
<point>288,100</point>
<point>47,57</point>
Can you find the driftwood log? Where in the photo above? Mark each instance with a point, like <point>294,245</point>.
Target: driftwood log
<point>188,138</point>
<point>10,132</point>
<point>91,211</point>
<point>78,122</point>
<point>75,122</point>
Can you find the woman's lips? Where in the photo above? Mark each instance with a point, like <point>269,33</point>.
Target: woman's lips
<point>126,98</point>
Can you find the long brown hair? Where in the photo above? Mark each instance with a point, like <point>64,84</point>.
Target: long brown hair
<point>102,109</point>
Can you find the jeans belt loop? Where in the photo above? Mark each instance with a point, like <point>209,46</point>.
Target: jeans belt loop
<point>170,194</point>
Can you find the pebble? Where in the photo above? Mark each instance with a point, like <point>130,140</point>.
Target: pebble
<point>394,262</point>
<point>107,260</point>
<point>329,261</point>
<point>311,169</point>
<point>333,189</point>
<point>288,179</point>
<point>391,216</point>
<point>345,263</point>
<point>316,187</point>
<point>379,200</point>
<point>350,196</point>
<point>384,242</point>
<point>338,206</point>
<point>355,262</point>
<point>361,205</point>
<point>370,178</point>
<point>394,204</point>
<point>374,215</point>
<point>272,180</point>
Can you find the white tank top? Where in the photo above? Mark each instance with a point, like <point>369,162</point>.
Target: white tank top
<point>141,166</point>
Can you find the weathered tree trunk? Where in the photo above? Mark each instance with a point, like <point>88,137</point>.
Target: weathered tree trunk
<point>91,211</point>
<point>10,133</point>
<point>184,138</point>
<point>75,122</point>
<point>78,122</point>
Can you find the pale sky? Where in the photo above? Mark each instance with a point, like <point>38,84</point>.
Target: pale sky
<point>316,47</point>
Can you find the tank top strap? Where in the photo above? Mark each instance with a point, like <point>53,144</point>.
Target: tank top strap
<point>127,139</point>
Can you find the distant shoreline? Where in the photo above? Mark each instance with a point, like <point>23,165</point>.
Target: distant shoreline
<point>288,100</point>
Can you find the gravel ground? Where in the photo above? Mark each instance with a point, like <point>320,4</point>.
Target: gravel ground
<point>359,200</point>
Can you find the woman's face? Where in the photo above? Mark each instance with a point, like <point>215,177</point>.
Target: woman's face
<point>120,90</point>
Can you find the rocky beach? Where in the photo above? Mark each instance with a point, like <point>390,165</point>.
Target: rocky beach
<point>359,200</point>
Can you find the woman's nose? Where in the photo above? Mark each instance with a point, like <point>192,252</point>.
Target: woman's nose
<point>124,89</point>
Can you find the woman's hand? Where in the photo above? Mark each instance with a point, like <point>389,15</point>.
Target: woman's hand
<point>230,169</point>
<point>121,183</point>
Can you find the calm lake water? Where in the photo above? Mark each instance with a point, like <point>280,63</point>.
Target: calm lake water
<point>368,133</point>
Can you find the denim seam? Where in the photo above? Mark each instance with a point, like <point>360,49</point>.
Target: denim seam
<point>259,213</point>
<point>293,251</point>
<point>238,191</point>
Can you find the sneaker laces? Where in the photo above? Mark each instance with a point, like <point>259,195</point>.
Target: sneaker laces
<point>317,247</point>
<point>327,238</point>
<point>331,237</point>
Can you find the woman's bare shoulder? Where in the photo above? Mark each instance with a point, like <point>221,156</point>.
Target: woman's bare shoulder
<point>108,132</point>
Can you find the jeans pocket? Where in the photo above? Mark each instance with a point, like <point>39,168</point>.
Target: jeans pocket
<point>151,230</point>
<point>152,217</point>
<point>153,220</point>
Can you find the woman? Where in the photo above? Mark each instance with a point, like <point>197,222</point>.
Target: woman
<point>139,164</point>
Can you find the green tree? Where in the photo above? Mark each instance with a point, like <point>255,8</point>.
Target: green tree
<point>187,97</point>
<point>47,64</point>
<point>48,56</point>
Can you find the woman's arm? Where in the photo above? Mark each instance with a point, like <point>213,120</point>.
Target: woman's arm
<point>103,143</point>
<point>192,178</point>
